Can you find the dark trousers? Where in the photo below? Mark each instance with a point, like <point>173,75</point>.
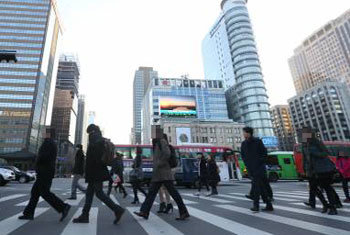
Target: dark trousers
<point>153,191</point>
<point>203,181</point>
<point>136,186</point>
<point>259,190</point>
<point>316,191</point>
<point>41,188</point>
<point>96,188</point>
<point>267,186</point>
<point>325,182</point>
<point>213,185</point>
<point>346,187</point>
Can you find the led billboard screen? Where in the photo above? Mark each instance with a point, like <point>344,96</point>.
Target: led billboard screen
<point>178,106</point>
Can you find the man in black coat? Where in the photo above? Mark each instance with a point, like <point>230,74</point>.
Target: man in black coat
<point>254,155</point>
<point>78,172</point>
<point>45,169</point>
<point>96,173</point>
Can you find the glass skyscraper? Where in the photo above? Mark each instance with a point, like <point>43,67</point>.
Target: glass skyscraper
<point>230,54</point>
<point>32,29</point>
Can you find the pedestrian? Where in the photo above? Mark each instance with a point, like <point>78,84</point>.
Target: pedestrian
<point>162,175</point>
<point>202,173</point>
<point>45,170</point>
<point>118,169</point>
<point>343,166</point>
<point>96,173</point>
<point>137,176</point>
<point>254,154</point>
<point>78,172</point>
<point>213,175</point>
<point>319,169</point>
<point>165,205</point>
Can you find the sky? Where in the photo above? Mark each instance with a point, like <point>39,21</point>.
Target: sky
<point>112,38</point>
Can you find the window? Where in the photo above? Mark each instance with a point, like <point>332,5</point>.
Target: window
<point>286,161</point>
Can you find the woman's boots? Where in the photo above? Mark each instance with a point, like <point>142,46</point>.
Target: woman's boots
<point>162,207</point>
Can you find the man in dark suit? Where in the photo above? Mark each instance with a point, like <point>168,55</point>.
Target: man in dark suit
<point>78,172</point>
<point>254,155</point>
<point>45,169</point>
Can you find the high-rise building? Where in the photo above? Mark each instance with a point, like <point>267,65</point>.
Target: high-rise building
<point>323,55</point>
<point>324,107</point>
<point>182,100</point>
<point>283,128</point>
<point>142,80</point>
<point>230,54</point>
<point>91,117</point>
<point>81,120</point>
<point>68,74</point>
<point>31,28</point>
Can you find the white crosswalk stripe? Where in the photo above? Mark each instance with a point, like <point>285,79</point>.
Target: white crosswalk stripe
<point>83,229</point>
<point>25,203</point>
<point>277,198</point>
<point>75,202</point>
<point>226,224</point>
<point>154,225</point>
<point>213,199</point>
<point>319,207</point>
<point>11,224</point>
<point>11,197</point>
<point>288,221</point>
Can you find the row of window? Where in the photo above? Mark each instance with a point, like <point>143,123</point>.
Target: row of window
<point>22,18</point>
<point>31,13</point>
<point>17,65</point>
<point>15,105</point>
<point>21,31</point>
<point>18,37</point>
<point>23,25</point>
<point>37,45</point>
<point>5,5</point>
<point>9,149</point>
<point>9,88</point>
<point>12,141</point>
<point>18,81</point>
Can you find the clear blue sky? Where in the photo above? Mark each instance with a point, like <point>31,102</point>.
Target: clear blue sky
<point>114,37</point>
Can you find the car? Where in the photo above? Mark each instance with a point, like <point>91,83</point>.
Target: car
<point>6,176</point>
<point>20,176</point>
<point>32,173</point>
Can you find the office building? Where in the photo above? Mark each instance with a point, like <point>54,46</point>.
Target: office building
<point>142,80</point>
<point>81,120</point>
<point>325,108</point>
<point>182,100</point>
<point>323,55</point>
<point>283,128</point>
<point>32,30</point>
<point>230,54</point>
<point>68,74</point>
<point>196,132</point>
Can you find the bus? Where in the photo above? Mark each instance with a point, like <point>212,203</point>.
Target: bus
<point>187,170</point>
<point>333,148</point>
<point>280,165</point>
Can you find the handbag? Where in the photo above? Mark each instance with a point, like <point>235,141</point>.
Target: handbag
<point>136,174</point>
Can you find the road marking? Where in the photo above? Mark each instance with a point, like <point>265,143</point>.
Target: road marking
<point>276,198</point>
<point>82,229</point>
<point>314,213</point>
<point>114,199</point>
<point>213,199</point>
<point>319,207</point>
<point>4,199</point>
<point>225,224</point>
<point>75,202</point>
<point>154,225</point>
<point>142,199</point>
<point>291,196</point>
<point>288,221</point>
<point>188,202</point>
<point>25,203</point>
<point>11,224</point>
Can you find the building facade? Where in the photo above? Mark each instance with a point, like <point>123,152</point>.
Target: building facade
<point>68,74</point>
<point>215,133</point>
<point>283,127</point>
<point>324,54</point>
<point>230,53</point>
<point>31,28</point>
<point>81,120</point>
<point>182,100</point>
<point>325,108</point>
<point>142,80</point>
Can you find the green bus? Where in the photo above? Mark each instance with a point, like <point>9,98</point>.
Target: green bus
<point>280,165</point>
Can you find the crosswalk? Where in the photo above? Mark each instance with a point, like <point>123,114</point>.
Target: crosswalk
<point>224,214</point>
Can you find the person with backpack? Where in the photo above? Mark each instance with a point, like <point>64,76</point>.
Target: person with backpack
<point>162,175</point>
<point>136,175</point>
<point>118,169</point>
<point>78,172</point>
<point>213,175</point>
<point>96,172</point>
<point>343,166</point>
<point>202,173</point>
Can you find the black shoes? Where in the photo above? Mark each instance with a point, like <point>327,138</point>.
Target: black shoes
<point>65,212</point>
<point>249,196</point>
<point>183,216</point>
<point>72,198</point>
<point>83,219</point>
<point>313,206</point>
<point>118,215</point>
<point>135,202</point>
<point>325,209</point>
<point>169,208</point>
<point>332,211</point>
<point>125,195</point>
<point>255,209</point>
<point>142,214</point>
<point>162,207</point>
<point>268,208</point>
<point>26,217</point>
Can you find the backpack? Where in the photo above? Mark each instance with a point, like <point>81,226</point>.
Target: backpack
<point>108,153</point>
<point>173,158</point>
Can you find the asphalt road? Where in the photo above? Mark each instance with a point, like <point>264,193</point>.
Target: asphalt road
<point>227,213</point>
